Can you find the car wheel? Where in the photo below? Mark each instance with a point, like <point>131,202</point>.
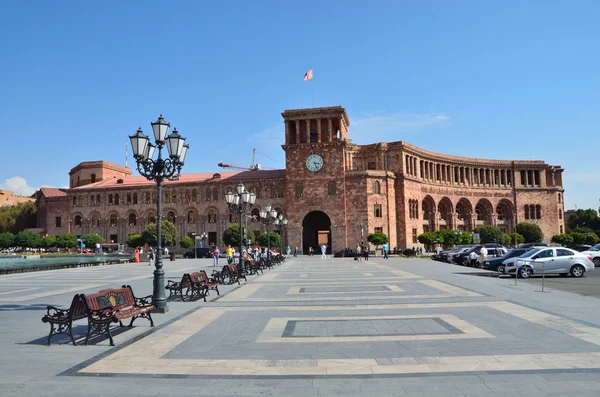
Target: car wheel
<point>577,271</point>
<point>596,261</point>
<point>500,269</point>
<point>525,272</point>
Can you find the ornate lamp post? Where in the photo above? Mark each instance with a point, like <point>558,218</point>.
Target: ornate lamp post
<point>203,237</point>
<point>268,216</point>
<point>281,222</point>
<point>240,202</point>
<point>158,170</point>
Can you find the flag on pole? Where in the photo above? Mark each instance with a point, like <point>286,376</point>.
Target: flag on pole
<point>308,75</point>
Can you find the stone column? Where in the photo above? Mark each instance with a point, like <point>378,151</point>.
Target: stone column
<point>297,131</point>
<point>319,130</point>
<point>288,138</point>
<point>307,130</point>
<point>329,129</point>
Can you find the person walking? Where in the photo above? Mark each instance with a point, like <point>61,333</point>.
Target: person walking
<point>136,255</point>
<point>288,250</point>
<point>366,252</point>
<point>216,254</point>
<point>296,252</point>
<point>150,256</point>
<point>385,251</point>
<point>483,252</point>
<point>359,252</point>
<point>473,258</point>
<point>323,250</point>
<point>229,254</point>
<point>310,251</point>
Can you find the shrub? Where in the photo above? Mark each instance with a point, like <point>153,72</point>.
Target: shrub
<point>531,232</point>
<point>490,234</point>
<point>408,252</point>
<point>186,242</point>
<point>562,239</point>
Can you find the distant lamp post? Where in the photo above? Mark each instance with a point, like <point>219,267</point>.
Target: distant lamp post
<point>203,237</point>
<point>268,215</point>
<point>240,202</point>
<point>281,223</point>
<point>158,170</point>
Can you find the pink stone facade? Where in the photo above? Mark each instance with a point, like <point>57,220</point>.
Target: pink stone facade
<point>396,188</point>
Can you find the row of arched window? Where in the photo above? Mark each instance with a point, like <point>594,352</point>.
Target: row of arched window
<point>413,209</point>
<point>533,211</point>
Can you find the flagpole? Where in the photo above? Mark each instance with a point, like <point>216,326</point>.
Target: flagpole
<point>312,87</point>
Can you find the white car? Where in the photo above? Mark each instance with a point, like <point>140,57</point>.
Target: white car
<point>594,252</point>
<point>559,260</point>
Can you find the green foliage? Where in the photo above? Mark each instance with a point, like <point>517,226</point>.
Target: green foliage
<point>186,242</point>
<point>27,240</point>
<point>562,239</point>
<point>588,218</point>
<point>66,240</point>
<point>509,239</point>
<point>584,230</point>
<point>408,252</point>
<point>231,236</point>
<point>168,234</point>
<point>490,234</point>
<point>275,239</point>
<point>578,238</point>
<point>48,242</point>
<point>6,240</point>
<point>17,217</point>
<point>531,232</point>
<point>377,239</point>
<point>449,237</point>
<point>591,239</point>
<point>135,240</point>
<point>466,238</point>
<point>428,238</point>
<point>92,239</point>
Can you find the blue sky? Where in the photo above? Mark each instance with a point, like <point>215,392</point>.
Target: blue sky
<point>505,80</point>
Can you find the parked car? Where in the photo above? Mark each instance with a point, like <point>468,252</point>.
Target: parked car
<point>8,252</point>
<point>558,260</point>
<point>345,253</point>
<point>496,264</point>
<point>531,245</point>
<point>200,253</point>
<point>494,251</point>
<point>450,257</point>
<point>594,252</point>
<point>579,247</point>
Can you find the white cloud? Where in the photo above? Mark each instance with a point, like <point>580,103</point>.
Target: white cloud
<point>17,185</point>
<point>382,127</point>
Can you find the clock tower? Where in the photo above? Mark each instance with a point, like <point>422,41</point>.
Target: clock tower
<point>316,150</point>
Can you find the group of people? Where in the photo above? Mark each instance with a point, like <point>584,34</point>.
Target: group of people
<point>482,257</point>
<point>362,251</point>
<point>311,251</point>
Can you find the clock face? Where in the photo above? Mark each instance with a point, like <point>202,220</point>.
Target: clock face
<point>314,162</point>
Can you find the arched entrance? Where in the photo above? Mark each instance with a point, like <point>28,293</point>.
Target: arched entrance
<point>316,230</point>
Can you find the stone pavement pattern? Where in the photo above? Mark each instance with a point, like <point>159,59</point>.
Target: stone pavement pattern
<point>311,327</point>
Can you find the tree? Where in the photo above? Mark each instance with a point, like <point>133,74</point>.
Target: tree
<point>17,217</point>
<point>377,239</point>
<point>578,238</point>
<point>531,232</point>
<point>465,238</point>
<point>275,239</point>
<point>168,234</point>
<point>48,241</point>
<point>231,235</point>
<point>92,239</point>
<point>27,240</point>
<point>509,239</point>
<point>562,239</point>
<point>490,234</point>
<point>66,240</point>
<point>580,218</point>
<point>427,238</point>
<point>591,238</point>
<point>186,242</point>
<point>449,237</point>
<point>135,240</point>
<point>7,240</point>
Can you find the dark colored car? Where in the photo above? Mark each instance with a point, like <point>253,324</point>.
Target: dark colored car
<point>493,264</point>
<point>345,253</point>
<point>579,247</point>
<point>531,245</point>
<point>200,253</point>
<point>494,251</point>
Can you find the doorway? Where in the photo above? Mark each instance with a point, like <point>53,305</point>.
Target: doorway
<point>316,231</point>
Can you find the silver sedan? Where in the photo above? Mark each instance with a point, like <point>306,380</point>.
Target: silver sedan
<point>559,260</point>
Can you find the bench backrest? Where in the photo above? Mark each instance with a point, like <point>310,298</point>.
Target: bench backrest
<point>233,268</point>
<point>186,281</point>
<point>204,276</point>
<point>196,277</point>
<point>117,298</point>
<point>77,308</point>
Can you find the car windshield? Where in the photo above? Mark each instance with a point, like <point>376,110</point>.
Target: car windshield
<point>511,253</point>
<point>530,253</point>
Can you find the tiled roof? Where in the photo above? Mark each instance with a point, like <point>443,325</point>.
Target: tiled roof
<point>52,192</point>
<point>140,181</point>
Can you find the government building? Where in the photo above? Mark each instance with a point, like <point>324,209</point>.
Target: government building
<point>332,191</point>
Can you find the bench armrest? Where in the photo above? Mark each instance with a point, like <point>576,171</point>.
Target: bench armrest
<point>144,301</point>
<point>173,284</point>
<point>53,311</point>
<point>103,316</point>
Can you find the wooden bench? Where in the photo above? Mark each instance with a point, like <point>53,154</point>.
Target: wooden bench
<point>235,274</point>
<point>113,306</point>
<point>61,320</point>
<point>177,287</point>
<point>252,266</point>
<point>210,282</point>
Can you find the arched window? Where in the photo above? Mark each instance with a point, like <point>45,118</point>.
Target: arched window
<point>255,215</point>
<point>114,220</point>
<point>98,201</point>
<point>74,201</point>
<point>538,212</point>
<point>95,221</point>
<point>135,198</point>
<point>194,195</point>
<point>147,199</point>
<point>92,200</point>
<point>559,214</point>
<point>479,214</point>
<point>154,197</point>
<point>77,221</point>
<point>93,178</point>
<point>215,194</point>
<point>273,191</point>
<point>171,217</point>
<point>116,199</point>
<point>376,187</point>
<point>212,215</point>
<point>132,219</point>
<point>500,214</point>
<point>188,196</point>
<point>167,197</point>
<point>128,198</point>
<point>299,190</point>
<point>331,190</point>
<point>151,217</point>
<point>526,211</point>
<point>191,217</point>
<point>281,191</point>
<point>110,199</point>
<point>174,196</point>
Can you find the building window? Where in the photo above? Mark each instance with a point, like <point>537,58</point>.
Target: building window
<point>559,214</point>
<point>559,198</point>
<point>377,211</point>
<point>415,240</point>
<point>110,199</point>
<point>215,194</point>
<point>188,196</point>
<point>281,191</point>
<point>255,215</point>
<point>58,221</point>
<point>116,199</point>
<point>561,229</point>
<point>77,221</point>
<point>526,211</point>
<point>331,190</point>
<point>132,219</point>
<point>376,187</point>
<point>212,215</point>
<point>93,178</point>
<point>194,195</point>
<point>233,217</point>
<point>191,217</point>
<point>95,221</point>
<point>378,230</point>
<point>154,197</point>
<point>113,238</point>
<point>174,196</point>
<point>167,197</point>
<point>212,239</point>
<point>299,190</point>
<point>413,209</point>
<point>538,212</point>
<point>171,217</point>
<point>151,217</point>
<point>371,165</point>
<point>74,201</point>
<point>128,198</point>
<point>135,198</point>
<point>92,200</point>
<point>208,195</point>
<point>273,191</point>
<point>147,198</point>
<point>114,220</point>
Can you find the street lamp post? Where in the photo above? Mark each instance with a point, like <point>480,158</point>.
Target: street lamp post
<point>158,170</point>
<point>268,216</point>
<point>281,223</point>
<point>240,202</point>
<point>203,237</point>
